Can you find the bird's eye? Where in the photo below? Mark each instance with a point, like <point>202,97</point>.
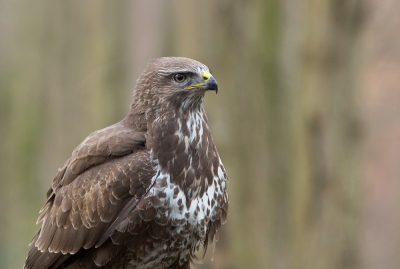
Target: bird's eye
<point>180,77</point>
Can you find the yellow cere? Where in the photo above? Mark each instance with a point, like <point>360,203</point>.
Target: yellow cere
<point>206,75</point>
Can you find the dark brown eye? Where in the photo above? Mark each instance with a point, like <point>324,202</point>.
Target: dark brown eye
<point>180,77</point>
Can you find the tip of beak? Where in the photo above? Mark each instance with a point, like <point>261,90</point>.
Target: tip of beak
<point>212,85</point>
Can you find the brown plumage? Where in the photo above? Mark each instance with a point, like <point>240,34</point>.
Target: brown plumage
<point>145,192</point>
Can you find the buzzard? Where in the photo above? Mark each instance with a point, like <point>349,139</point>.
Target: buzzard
<point>145,192</point>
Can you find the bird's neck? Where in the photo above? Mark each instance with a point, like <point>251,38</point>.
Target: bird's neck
<point>141,113</point>
<point>182,144</point>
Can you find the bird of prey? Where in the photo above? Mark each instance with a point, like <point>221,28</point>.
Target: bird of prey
<point>144,193</point>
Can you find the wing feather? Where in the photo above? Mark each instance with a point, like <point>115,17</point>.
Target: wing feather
<point>89,193</point>
<point>113,141</point>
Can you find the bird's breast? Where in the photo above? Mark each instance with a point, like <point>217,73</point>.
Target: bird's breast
<point>183,147</point>
<point>191,183</point>
<point>188,221</point>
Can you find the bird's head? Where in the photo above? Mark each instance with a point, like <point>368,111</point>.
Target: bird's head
<point>170,82</point>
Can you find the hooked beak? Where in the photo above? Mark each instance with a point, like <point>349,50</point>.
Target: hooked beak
<point>209,83</point>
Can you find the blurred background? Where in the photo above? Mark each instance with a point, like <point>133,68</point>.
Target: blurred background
<point>307,119</point>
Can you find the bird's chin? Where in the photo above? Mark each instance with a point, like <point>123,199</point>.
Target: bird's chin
<point>197,91</point>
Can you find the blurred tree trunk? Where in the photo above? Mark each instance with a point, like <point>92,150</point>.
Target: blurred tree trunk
<point>326,137</point>
<point>62,70</point>
<point>381,80</point>
<point>314,137</point>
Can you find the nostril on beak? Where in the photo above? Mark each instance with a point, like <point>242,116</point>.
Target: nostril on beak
<point>206,75</point>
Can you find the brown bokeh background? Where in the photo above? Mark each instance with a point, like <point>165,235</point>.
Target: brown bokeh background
<point>307,119</point>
